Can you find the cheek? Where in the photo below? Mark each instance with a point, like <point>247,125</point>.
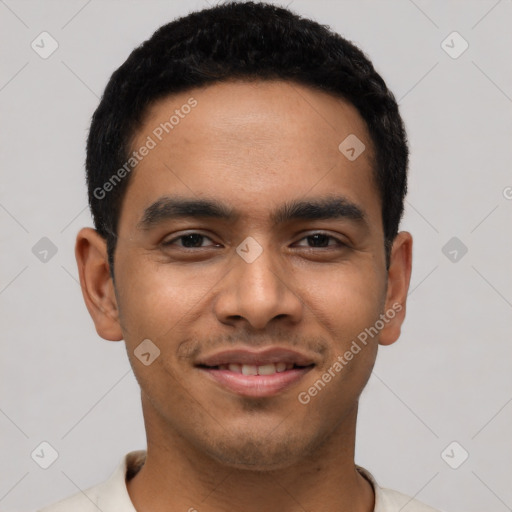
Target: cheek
<point>346,304</point>
<point>154,297</point>
<point>161,301</point>
<point>346,301</point>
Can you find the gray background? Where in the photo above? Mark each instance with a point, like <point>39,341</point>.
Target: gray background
<point>449,377</point>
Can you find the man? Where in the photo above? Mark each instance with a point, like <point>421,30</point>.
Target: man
<point>246,171</point>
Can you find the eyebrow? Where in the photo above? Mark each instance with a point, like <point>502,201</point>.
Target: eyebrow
<point>173,207</point>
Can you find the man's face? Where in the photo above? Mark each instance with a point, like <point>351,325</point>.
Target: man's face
<point>251,283</point>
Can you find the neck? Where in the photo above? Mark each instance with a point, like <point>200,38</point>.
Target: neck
<point>176,476</point>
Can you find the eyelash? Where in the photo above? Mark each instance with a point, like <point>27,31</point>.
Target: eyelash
<point>339,242</point>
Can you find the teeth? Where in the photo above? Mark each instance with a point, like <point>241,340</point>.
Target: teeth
<point>249,369</point>
<point>281,367</point>
<point>267,369</point>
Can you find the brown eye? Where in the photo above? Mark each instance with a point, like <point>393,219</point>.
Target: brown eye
<point>188,241</point>
<point>321,240</point>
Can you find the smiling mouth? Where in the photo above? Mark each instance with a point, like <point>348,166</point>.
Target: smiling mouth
<point>253,369</point>
<point>253,380</point>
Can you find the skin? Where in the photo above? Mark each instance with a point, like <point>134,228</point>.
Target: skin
<point>252,146</point>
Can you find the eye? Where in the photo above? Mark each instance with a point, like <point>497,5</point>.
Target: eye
<point>321,240</point>
<point>195,240</point>
<point>189,241</point>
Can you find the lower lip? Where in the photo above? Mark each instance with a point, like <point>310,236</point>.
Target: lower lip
<point>256,386</point>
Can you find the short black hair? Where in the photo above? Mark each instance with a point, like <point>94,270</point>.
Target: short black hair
<point>240,41</point>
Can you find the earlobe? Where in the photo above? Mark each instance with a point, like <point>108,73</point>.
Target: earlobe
<point>96,282</point>
<point>399,276</point>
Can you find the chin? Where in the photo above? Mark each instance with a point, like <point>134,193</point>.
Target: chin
<point>256,453</point>
<point>254,460</point>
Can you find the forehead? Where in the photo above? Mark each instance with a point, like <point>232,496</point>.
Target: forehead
<point>253,146</point>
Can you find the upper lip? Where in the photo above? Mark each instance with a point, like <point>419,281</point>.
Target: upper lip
<point>256,357</point>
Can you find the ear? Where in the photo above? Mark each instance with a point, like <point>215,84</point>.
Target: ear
<point>399,277</point>
<point>97,285</point>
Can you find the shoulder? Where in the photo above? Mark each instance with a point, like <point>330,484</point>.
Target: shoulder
<point>394,501</point>
<point>109,496</point>
<point>80,502</point>
<point>389,500</point>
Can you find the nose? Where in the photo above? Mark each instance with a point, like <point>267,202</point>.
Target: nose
<point>258,292</point>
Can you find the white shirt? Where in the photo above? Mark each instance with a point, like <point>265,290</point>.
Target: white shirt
<point>112,495</point>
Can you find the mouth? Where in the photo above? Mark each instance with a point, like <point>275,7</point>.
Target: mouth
<point>256,374</point>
